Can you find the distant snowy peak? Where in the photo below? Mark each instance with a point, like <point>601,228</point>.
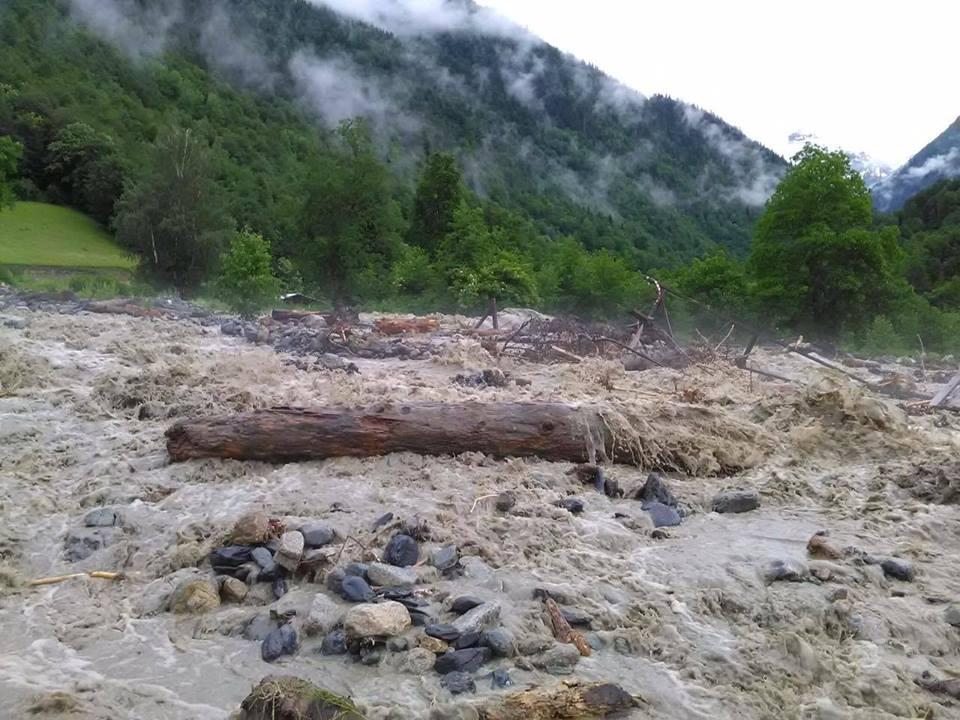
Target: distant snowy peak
<point>871,170</point>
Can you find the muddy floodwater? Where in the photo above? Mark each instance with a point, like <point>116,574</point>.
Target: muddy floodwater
<point>690,619</point>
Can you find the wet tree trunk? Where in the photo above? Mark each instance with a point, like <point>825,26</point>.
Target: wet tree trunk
<point>552,431</point>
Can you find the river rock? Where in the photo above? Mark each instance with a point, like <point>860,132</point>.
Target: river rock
<point>197,595</point>
<point>445,558</point>
<point>356,589</point>
<point>252,528</point>
<point>316,535</point>
<point>401,551</point>
<point>952,615</point>
<point>324,615</point>
<point>390,575</point>
<point>279,587</point>
<point>102,517</point>
<point>789,570</point>
<point>466,640</point>
<point>227,560</point>
<point>290,550</point>
<point>500,679</point>
<point>897,569</point>
<point>290,698</point>
<point>662,515</point>
<point>477,619</point>
<point>232,590</point>
<point>334,643</point>
<point>399,644</point>
<point>370,656</point>
<point>575,616</point>
<point>434,645</point>
<point>736,501</point>
<point>280,642</point>
<point>385,619</point>
<point>259,627</point>
<point>499,640</point>
<point>462,660</point>
<point>447,633</point>
<point>416,661</point>
<point>81,543</point>
<point>333,580</point>
<point>357,569</point>
<point>155,597</point>
<point>458,683</point>
<point>505,501</point>
<point>262,557</point>
<point>655,489</point>
<point>558,660</point>
<point>571,504</point>
<point>464,603</point>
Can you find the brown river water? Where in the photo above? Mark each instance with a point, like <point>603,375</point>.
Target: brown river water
<point>686,622</point>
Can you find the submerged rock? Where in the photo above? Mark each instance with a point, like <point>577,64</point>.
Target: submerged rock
<point>81,543</point>
<point>897,569</point>
<point>571,504</point>
<point>458,683</point>
<point>505,501</point>
<point>196,595</point>
<point>227,560</point>
<point>558,660</point>
<point>290,698</point>
<point>324,615</point>
<point>280,642</point>
<point>789,570</point>
<point>402,551</point>
<point>259,627</point>
<point>736,501</point>
<point>462,660</point>
<point>102,517</point>
<point>575,616</point>
<point>381,620</point>
<point>416,661</point>
<point>501,678</point>
<point>952,615</point>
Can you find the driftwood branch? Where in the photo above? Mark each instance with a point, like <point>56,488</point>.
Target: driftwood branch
<point>566,701</point>
<point>945,392</point>
<point>562,630</point>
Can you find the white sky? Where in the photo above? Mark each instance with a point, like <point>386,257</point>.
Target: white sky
<point>878,76</point>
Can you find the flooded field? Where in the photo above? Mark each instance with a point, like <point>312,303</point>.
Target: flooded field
<point>726,615</point>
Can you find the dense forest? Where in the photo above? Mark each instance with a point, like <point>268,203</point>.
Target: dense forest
<point>254,146</point>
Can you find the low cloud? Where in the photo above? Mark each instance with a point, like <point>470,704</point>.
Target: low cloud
<point>422,17</point>
<point>947,163</point>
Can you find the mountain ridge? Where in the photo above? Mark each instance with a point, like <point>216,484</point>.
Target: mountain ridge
<point>938,160</point>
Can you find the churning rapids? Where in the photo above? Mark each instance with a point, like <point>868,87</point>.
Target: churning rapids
<point>690,620</point>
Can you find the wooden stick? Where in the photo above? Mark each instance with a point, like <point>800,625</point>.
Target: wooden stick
<point>946,391</point>
<point>568,355</point>
<point>100,574</point>
<point>562,630</point>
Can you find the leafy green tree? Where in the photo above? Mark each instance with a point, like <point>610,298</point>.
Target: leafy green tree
<point>437,197</point>
<point>10,152</point>
<point>173,215</point>
<point>86,168</point>
<point>817,261</point>
<point>351,221</point>
<point>246,280</point>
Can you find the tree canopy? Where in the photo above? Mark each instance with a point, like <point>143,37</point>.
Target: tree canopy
<point>10,152</point>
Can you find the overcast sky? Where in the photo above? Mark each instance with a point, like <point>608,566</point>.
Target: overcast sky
<point>879,76</point>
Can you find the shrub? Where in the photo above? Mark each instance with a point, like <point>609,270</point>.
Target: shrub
<point>246,281</point>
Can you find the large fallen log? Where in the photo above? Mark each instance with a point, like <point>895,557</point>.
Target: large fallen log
<point>552,431</point>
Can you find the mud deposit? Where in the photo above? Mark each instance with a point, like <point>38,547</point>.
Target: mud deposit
<point>685,620</point>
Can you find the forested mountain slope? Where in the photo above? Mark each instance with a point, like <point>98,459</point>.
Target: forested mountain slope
<point>537,132</point>
<point>939,160</point>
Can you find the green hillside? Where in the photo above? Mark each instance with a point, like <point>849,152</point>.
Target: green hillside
<point>33,233</point>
